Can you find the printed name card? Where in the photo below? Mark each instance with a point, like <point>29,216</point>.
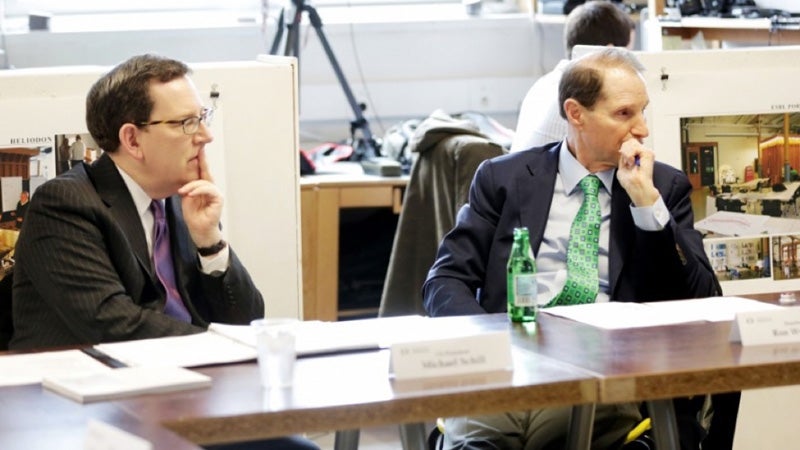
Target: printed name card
<point>774,326</point>
<point>482,352</point>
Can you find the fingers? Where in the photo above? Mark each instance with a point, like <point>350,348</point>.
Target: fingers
<point>203,171</point>
<point>200,188</point>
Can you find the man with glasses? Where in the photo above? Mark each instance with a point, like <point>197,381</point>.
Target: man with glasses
<point>130,246</point>
<point>90,259</point>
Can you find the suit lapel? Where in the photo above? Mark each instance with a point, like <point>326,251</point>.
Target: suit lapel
<point>535,192</point>
<point>621,233</point>
<point>112,190</point>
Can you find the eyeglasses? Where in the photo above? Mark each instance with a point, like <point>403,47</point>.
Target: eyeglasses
<point>190,124</point>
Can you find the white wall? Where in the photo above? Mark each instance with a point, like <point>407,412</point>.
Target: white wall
<point>400,68</point>
<point>786,5</point>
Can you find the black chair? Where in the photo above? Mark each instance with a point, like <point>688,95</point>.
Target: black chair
<point>726,189</point>
<point>719,202</point>
<point>771,208</point>
<point>730,204</point>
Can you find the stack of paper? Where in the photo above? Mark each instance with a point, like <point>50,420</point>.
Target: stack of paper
<point>31,368</point>
<point>124,382</point>
<point>180,351</point>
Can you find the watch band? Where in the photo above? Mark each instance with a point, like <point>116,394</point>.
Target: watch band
<point>212,249</point>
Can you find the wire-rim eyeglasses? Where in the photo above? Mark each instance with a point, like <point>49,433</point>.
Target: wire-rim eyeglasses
<point>190,125</point>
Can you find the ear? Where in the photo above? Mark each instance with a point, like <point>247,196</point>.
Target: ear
<point>129,141</point>
<point>574,112</point>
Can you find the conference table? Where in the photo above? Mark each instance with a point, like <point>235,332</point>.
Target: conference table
<point>558,362</point>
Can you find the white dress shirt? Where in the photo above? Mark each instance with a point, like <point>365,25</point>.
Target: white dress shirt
<point>567,200</point>
<point>208,264</point>
<point>539,120</point>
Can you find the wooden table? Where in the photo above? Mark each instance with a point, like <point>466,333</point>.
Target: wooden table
<point>322,198</point>
<point>559,363</point>
<point>658,363</point>
<point>330,393</point>
<point>31,418</point>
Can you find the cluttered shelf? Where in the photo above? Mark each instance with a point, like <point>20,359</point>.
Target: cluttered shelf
<point>742,24</point>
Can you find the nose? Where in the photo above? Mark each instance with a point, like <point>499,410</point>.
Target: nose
<point>639,129</point>
<point>204,134</point>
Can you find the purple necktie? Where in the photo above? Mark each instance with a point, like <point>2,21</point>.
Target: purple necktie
<point>162,257</point>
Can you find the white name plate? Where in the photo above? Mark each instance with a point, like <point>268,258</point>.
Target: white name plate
<point>774,326</point>
<point>482,352</point>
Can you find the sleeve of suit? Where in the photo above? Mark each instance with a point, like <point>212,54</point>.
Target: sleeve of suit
<point>671,263</point>
<point>234,297</point>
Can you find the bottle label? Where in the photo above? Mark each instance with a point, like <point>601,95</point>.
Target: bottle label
<point>525,290</point>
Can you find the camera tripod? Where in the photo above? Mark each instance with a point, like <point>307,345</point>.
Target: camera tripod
<point>363,148</point>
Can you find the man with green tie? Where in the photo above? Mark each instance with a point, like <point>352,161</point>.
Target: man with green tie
<point>644,247</point>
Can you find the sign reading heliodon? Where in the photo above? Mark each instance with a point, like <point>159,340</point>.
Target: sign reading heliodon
<point>774,326</point>
<point>483,352</point>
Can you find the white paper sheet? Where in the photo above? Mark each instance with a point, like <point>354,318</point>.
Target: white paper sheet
<point>181,351</point>
<point>32,368</point>
<point>620,315</point>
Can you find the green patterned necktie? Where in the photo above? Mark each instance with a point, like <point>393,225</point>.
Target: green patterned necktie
<point>584,236</point>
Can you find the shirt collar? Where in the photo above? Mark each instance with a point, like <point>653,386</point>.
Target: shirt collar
<point>140,197</point>
<point>572,172</point>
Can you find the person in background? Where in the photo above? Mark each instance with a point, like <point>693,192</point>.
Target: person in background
<point>22,208</point>
<point>77,151</point>
<point>594,23</point>
<point>648,247</point>
<point>63,155</point>
<point>130,247</point>
<point>570,5</point>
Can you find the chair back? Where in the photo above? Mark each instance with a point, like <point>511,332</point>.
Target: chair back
<point>449,152</point>
<point>771,208</point>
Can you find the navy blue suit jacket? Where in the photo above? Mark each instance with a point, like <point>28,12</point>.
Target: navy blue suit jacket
<point>469,275</point>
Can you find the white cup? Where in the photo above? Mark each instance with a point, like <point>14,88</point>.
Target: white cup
<point>275,341</point>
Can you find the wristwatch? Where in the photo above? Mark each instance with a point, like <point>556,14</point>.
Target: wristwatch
<point>212,249</point>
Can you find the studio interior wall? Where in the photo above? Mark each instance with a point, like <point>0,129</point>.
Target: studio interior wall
<point>400,69</point>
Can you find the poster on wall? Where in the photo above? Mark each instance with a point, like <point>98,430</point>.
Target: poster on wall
<point>746,194</point>
<point>26,162</point>
<point>730,119</point>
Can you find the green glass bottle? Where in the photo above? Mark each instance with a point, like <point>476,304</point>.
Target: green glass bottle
<point>521,276</point>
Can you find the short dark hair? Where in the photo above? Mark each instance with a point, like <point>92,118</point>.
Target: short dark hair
<point>597,23</point>
<point>583,78</point>
<point>123,96</point>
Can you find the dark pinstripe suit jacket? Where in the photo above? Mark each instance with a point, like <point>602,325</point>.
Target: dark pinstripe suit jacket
<point>516,190</point>
<point>83,275</point>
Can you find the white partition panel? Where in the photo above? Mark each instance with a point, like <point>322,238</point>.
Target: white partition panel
<point>254,156</point>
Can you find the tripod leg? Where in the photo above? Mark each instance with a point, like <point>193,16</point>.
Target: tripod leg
<point>293,37</point>
<point>360,122</point>
<point>276,41</point>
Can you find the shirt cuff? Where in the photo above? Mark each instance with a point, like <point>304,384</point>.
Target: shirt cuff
<point>218,263</point>
<point>651,218</point>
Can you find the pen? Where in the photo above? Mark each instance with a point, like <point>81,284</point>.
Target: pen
<point>339,351</point>
<point>103,358</point>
